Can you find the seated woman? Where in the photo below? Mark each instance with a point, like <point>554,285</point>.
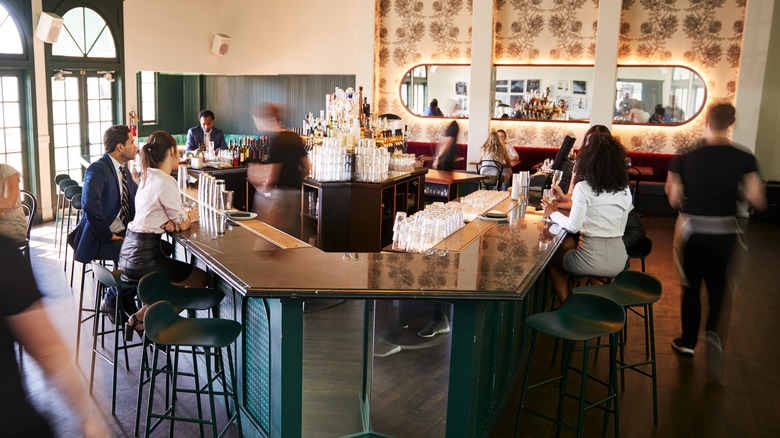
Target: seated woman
<point>494,150</point>
<point>158,208</point>
<point>564,200</point>
<point>13,222</point>
<point>600,204</point>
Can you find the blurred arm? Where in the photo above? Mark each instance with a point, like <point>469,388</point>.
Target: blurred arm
<point>754,191</point>
<point>10,193</point>
<point>674,190</point>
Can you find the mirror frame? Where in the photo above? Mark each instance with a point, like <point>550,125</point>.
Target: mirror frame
<point>406,107</point>
<point>667,125</point>
<point>655,125</point>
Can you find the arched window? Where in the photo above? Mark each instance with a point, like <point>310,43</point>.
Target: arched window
<point>84,34</point>
<point>10,40</point>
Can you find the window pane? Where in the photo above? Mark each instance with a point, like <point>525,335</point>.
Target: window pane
<point>93,25</point>
<point>57,90</point>
<point>11,113</point>
<point>93,109</point>
<point>15,161</point>
<point>74,135</point>
<point>73,111</point>
<point>74,157</point>
<point>105,89</point>
<point>13,140</point>
<point>147,109</point>
<point>105,110</point>
<point>58,112</point>
<point>147,76</point>
<point>10,89</point>
<point>147,92</point>
<point>93,90</point>
<point>65,45</point>
<point>2,141</point>
<point>96,149</point>
<point>60,136</point>
<point>61,160</point>
<point>71,88</point>
<point>2,119</point>
<point>10,41</point>
<point>73,22</point>
<point>94,132</point>
<point>104,47</point>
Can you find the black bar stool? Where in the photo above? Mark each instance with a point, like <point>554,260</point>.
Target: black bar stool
<point>156,287</point>
<point>582,317</point>
<point>165,327</point>
<point>68,193</point>
<point>59,221</point>
<point>632,290</point>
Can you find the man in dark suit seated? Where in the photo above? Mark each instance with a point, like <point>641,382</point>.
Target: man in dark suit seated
<point>205,132</point>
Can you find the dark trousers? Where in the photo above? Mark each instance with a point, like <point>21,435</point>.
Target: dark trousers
<point>706,257</point>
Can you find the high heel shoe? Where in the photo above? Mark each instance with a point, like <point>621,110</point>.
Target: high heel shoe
<point>133,326</point>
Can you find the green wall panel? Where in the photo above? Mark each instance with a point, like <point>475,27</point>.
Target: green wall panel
<point>257,365</point>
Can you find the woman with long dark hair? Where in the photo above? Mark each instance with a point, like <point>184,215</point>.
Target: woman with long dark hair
<point>158,208</point>
<point>601,202</point>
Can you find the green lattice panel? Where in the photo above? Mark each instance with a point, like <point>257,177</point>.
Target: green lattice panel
<point>257,363</point>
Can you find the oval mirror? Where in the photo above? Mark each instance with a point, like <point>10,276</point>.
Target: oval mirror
<point>658,95</point>
<point>437,90</point>
<point>543,92</point>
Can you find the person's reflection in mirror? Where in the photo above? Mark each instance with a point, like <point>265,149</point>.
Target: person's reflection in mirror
<point>446,150</point>
<point>675,113</point>
<point>638,113</point>
<point>433,109</point>
<point>626,104</point>
<point>659,116</point>
<point>509,149</point>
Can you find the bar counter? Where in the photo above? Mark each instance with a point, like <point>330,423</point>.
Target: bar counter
<point>329,374</point>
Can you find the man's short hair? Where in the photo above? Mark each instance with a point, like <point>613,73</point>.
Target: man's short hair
<point>721,116</point>
<point>114,135</point>
<point>206,113</point>
<point>434,103</point>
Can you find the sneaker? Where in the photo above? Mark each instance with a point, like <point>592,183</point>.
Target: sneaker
<point>436,327</point>
<point>714,357</point>
<point>678,345</point>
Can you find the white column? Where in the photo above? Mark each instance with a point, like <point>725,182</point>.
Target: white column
<point>480,107</point>
<point>365,29</point>
<point>42,142</point>
<point>605,70</point>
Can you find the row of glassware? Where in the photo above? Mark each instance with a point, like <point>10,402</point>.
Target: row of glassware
<point>211,192</point>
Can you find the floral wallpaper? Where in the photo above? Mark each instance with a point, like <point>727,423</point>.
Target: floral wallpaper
<point>704,35</point>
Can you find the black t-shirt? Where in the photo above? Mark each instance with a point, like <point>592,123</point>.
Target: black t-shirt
<point>17,294</point>
<point>447,161</point>
<point>286,148</point>
<point>711,176</point>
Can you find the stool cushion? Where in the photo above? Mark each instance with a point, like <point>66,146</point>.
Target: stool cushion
<point>580,318</point>
<point>156,287</point>
<point>630,288</point>
<point>164,326</point>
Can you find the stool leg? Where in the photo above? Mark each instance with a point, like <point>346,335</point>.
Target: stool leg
<point>117,333</point>
<point>643,264</point>
<point>647,332</point>
<point>57,217</point>
<point>144,366</point>
<point>234,392</point>
<point>525,382</point>
<point>652,359</point>
<point>613,377</point>
<point>220,360</point>
<point>197,388</point>
<point>566,353</point>
<point>581,411</point>
<point>79,321</point>
<point>622,344</point>
<point>151,394</point>
<point>173,386</point>
<point>94,348</point>
<point>211,392</point>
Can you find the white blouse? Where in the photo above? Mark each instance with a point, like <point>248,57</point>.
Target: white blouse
<point>157,201</point>
<point>602,215</point>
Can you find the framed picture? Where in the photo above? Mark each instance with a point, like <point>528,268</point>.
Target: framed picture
<point>463,105</point>
<point>579,103</point>
<point>564,87</point>
<point>502,86</point>
<point>517,86</point>
<point>580,87</point>
<point>460,89</point>
<point>532,85</point>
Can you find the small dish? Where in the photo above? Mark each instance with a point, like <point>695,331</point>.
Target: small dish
<point>241,215</point>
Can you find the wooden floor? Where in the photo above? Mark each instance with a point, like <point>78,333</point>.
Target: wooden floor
<point>689,406</point>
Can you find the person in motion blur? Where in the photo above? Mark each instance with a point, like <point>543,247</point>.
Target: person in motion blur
<point>705,185</point>
<point>13,222</point>
<point>278,182</point>
<point>23,319</point>
<point>447,148</point>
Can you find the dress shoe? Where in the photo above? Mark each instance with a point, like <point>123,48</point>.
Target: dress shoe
<point>435,327</point>
<point>107,310</point>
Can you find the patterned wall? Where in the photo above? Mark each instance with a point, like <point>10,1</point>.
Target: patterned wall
<point>705,35</point>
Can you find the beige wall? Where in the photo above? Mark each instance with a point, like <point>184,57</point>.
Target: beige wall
<point>768,135</point>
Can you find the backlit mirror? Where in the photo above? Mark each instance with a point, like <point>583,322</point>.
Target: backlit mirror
<point>543,92</point>
<point>663,95</point>
<point>437,90</point>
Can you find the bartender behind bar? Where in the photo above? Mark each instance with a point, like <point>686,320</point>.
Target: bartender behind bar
<point>199,136</point>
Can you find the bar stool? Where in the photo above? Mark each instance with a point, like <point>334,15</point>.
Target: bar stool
<point>165,327</point>
<point>106,279</point>
<point>582,317</point>
<point>155,287</point>
<point>642,252</point>
<point>70,193</point>
<point>633,289</point>
<point>60,203</point>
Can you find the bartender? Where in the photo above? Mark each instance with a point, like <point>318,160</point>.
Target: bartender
<point>200,136</point>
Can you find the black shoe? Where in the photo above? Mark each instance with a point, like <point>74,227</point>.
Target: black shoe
<point>134,326</point>
<point>681,347</point>
<point>436,327</point>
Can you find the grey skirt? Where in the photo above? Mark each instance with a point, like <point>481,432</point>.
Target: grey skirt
<point>597,256</point>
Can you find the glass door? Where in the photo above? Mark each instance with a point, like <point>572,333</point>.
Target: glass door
<point>82,109</point>
<point>12,124</point>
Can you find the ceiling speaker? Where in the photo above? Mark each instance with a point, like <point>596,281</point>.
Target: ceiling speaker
<point>49,26</point>
<point>220,45</point>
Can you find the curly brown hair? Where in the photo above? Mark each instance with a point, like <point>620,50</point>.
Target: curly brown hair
<point>603,164</point>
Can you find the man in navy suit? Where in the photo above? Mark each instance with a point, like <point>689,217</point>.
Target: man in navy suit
<point>205,132</point>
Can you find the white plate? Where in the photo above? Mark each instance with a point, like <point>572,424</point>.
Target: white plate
<point>245,216</point>
<point>494,219</point>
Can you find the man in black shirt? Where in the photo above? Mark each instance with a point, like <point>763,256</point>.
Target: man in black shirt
<point>705,186</point>
<point>445,153</point>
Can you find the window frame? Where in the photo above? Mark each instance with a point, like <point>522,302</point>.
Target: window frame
<point>139,87</point>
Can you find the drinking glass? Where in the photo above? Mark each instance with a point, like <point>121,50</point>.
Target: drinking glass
<point>557,176</point>
<point>547,196</point>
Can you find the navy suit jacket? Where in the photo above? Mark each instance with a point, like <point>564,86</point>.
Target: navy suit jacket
<point>101,199</point>
<point>195,137</point>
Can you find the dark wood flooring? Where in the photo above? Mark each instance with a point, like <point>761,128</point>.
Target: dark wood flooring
<point>407,396</point>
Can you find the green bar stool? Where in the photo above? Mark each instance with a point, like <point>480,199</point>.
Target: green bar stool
<point>73,196</point>
<point>165,327</point>
<point>59,223</point>
<point>581,318</point>
<point>642,251</point>
<point>155,287</point>
<point>632,290</point>
<point>106,279</point>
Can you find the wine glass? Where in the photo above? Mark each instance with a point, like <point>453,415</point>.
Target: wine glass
<point>557,177</point>
<point>547,197</point>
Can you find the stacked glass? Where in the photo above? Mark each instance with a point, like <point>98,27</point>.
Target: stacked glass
<point>425,229</point>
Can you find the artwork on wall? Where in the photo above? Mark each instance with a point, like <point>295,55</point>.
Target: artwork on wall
<point>580,87</point>
<point>517,86</point>
<point>460,89</point>
<point>579,103</point>
<point>532,85</point>
<point>502,86</point>
<point>564,86</point>
<point>463,104</point>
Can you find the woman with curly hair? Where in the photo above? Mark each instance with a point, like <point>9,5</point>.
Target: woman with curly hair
<point>494,150</point>
<point>601,202</point>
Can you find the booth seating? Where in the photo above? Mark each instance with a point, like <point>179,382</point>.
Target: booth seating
<point>420,149</point>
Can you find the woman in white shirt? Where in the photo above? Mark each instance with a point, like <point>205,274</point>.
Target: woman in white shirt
<point>600,204</point>
<point>158,208</point>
